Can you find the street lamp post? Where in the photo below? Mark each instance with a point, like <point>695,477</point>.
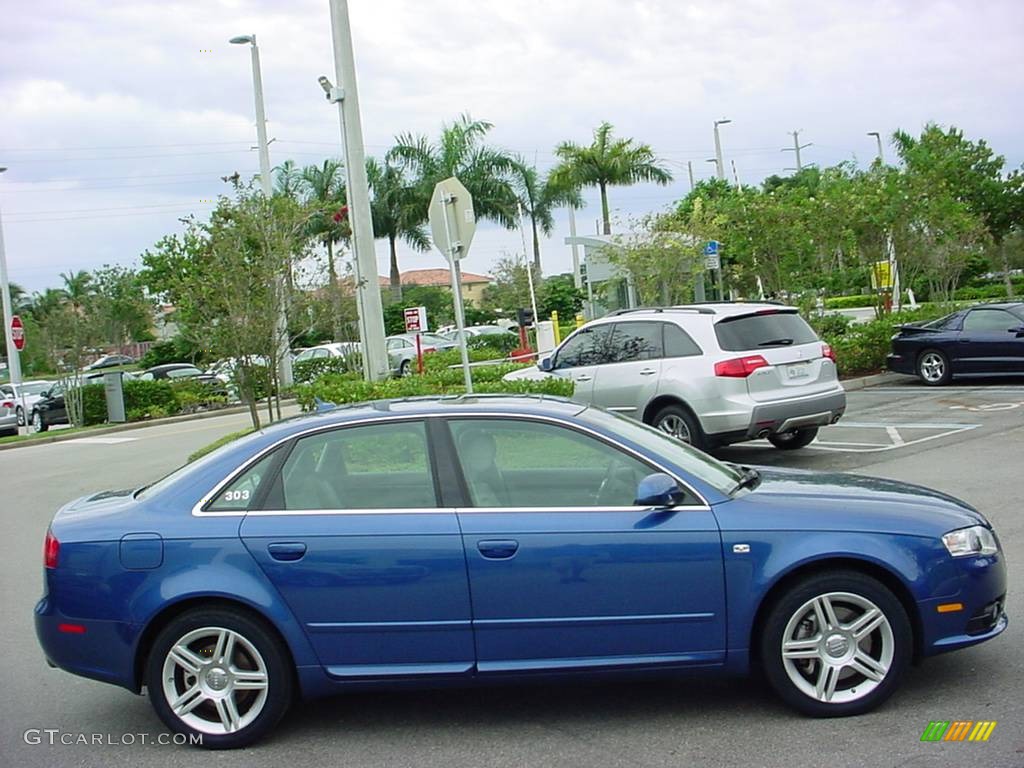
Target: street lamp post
<point>719,165</point>
<point>13,358</point>
<point>346,96</point>
<point>878,139</point>
<point>281,351</point>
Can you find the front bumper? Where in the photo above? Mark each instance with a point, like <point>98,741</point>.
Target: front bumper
<point>983,596</point>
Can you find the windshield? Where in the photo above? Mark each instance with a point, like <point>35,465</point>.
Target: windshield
<point>179,373</point>
<point>433,338</point>
<point>34,387</point>
<point>722,477</point>
<point>765,329</point>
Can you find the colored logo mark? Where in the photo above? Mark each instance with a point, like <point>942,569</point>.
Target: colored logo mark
<point>958,730</point>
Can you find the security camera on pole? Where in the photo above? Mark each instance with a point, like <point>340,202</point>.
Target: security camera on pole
<point>452,225</point>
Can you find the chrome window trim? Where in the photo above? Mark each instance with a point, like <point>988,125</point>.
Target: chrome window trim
<point>208,498</point>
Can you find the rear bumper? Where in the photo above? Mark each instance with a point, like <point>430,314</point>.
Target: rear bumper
<point>899,364</point>
<point>805,412</point>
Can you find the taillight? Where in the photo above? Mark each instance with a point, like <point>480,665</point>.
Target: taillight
<point>51,550</point>
<point>740,367</point>
<point>7,404</point>
<point>827,351</point>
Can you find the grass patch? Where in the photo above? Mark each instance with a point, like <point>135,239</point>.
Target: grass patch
<point>229,438</point>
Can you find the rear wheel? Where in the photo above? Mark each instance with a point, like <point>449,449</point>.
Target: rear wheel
<point>21,416</point>
<point>933,368</point>
<point>221,675</point>
<point>795,438</point>
<point>403,369</point>
<point>677,421</point>
<point>836,644</point>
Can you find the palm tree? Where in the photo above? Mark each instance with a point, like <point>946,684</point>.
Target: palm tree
<point>77,288</point>
<point>460,151</point>
<point>323,188</point>
<point>607,162</point>
<point>20,300</point>
<point>288,180</point>
<point>397,213</point>
<point>539,198</point>
<point>47,302</point>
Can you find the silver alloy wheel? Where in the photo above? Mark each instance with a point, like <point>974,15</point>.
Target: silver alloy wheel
<point>932,367</point>
<point>20,412</point>
<point>37,422</point>
<point>838,647</point>
<point>676,426</point>
<point>215,681</point>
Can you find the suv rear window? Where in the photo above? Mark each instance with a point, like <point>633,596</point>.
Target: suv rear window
<point>771,329</point>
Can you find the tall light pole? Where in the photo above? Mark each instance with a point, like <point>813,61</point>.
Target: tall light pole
<point>719,165</point>
<point>878,139</point>
<point>689,170</point>
<point>797,146</point>
<point>13,358</point>
<point>281,352</point>
<point>346,96</point>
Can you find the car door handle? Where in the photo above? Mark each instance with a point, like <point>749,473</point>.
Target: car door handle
<point>498,549</point>
<point>287,551</point>
<point>584,377</point>
<point>648,372</point>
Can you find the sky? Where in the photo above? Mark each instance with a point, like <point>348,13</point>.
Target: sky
<point>118,118</point>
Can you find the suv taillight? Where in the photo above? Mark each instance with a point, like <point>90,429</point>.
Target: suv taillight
<point>6,404</point>
<point>51,550</point>
<point>740,367</point>
<point>827,351</point>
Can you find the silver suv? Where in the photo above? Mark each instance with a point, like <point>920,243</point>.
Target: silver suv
<point>710,374</point>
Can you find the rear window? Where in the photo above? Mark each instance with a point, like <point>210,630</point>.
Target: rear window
<point>773,329</point>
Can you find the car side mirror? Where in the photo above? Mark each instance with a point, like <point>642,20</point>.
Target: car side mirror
<point>546,363</point>
<point>659,490</point>
<point>44,394</point>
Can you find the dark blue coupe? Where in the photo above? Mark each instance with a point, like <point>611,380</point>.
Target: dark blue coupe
<point>474,539</point>
<point>983,340</point>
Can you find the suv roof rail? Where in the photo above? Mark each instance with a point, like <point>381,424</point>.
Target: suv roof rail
<point>699,310</point>
<point>744,301</point>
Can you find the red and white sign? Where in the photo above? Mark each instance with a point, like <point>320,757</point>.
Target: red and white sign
<point>415,319</point>
<point>17,333</point>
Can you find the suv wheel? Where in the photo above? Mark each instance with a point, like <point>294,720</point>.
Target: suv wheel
<point>796,438</point>
<point>677,421</point>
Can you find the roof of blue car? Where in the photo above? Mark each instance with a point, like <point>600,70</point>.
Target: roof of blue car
<point>430,405</point>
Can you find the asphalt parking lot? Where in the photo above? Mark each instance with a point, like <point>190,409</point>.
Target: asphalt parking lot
<point>965,440</point>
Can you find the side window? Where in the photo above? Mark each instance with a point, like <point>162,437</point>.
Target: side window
<point>240,494</point>
<point>989,320</point>
<point>392,345</point>
<point>521,463</point>
<point>378,466</point>
<point>590,346</point>
<point>635,341</point>
<point>678,342</point>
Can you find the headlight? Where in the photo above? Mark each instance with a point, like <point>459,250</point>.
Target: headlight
<point>976,540</point>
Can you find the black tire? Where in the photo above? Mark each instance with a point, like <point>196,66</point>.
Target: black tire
<point>679,421</point>
<point>403,369</point>
<point>21,416</point>
<point>933,368</point>
<point>38,422</point>
<point>276,663</point>
<point>796,438</point>
<point>839,586</point>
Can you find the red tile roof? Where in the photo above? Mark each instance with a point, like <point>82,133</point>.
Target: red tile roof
<point>439,277</point>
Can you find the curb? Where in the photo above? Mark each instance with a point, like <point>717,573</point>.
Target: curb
<point>874,380</point>
<point>58,437</point>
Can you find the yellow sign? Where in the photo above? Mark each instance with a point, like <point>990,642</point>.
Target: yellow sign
<point>881,275</point>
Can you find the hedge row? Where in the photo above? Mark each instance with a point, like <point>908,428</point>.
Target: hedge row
<point>150,399</point>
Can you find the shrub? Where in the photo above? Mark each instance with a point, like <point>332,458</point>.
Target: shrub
<point>861,348</point>
<point>500,343</point>
<point>831,325</point>
<point>307,371</point>
<point>150,399</point>
<point>851,302</point>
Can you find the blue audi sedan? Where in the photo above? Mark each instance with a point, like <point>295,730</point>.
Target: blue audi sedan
<point>466,540</point>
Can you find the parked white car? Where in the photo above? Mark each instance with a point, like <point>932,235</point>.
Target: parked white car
<point>332,349</point>
<point>709,374</point>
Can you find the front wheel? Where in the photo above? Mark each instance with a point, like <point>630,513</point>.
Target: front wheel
<point>933,368</point>
<point>795,438</point>
<point>836,644</point>
<point>403,369</point>
<point>38,422</point>
<point>677,421</point>
<point>219,675</point>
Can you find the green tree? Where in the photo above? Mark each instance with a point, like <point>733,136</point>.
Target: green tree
<point>397,213</point>
<point>323,190</point>
<point>608,161</point>
<point>461,151</point>
<point>77,287</point>
<point>539,198</point>
<point>120,305</point>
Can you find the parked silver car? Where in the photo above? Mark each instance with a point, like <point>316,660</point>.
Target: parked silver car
<point>8,416</point>
<point>402,349</point>
<point>24,395</point>
<point>710,374</point>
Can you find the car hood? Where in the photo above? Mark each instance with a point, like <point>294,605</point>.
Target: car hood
<point>837,501</point>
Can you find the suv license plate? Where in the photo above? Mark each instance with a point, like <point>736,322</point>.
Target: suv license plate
<point>797,371</point>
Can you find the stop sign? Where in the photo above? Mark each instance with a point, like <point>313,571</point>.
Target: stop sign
<point>17,333</point>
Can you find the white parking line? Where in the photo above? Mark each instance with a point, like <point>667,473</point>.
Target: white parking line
<point>894,435</point>
<point>98,441</point>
